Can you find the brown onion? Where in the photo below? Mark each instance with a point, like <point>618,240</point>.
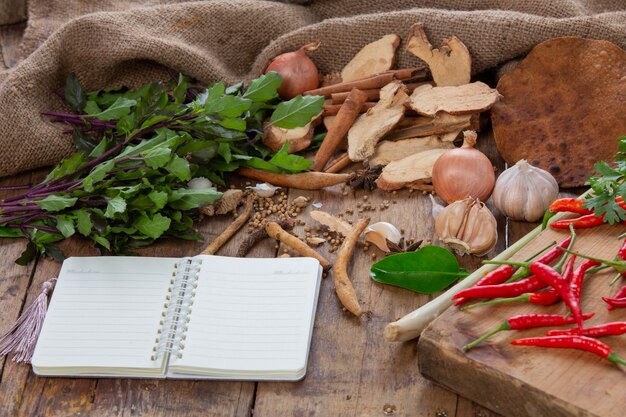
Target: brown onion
<point>298,71</point>
<point>463,172</point>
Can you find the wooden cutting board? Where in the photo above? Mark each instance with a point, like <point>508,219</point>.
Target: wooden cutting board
<point>525,381</point>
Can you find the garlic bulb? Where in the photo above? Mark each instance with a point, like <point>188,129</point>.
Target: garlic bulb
<point>379,233</point>
<point>524,192</point>
<point>468,227</point>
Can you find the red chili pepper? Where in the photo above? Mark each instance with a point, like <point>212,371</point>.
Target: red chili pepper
<point>571,205</point>
<point>527,321</point>
<point>573,342</point>
<point>497,276</point>
<point>622,251</point>
<point>555,252</point>
<point>544,298</point>
<point>582,222</point>
<point>615,302</point>
<point>512,289</point>
<point>608,329</point>
<point>577,278</point>
<point>556,281</point>
<point>621,293</point>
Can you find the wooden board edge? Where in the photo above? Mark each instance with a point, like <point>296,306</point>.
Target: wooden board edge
<point>471,379</point>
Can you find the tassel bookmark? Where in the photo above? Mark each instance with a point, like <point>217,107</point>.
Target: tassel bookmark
<point>22,337</point>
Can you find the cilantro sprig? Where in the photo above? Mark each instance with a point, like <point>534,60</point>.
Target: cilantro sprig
<point>126,185</point>
<point>607,185</point>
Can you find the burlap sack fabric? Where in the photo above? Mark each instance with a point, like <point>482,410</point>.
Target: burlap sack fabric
<point>113,42</point>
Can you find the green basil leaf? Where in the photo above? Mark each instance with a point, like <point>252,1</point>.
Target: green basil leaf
<point>179,167</point>
<point>10,232</point>
<point>115,205</point>
<point>152,227</point>
<point>54,252</point>
<point>83,222</point>
<point>74,94</point>
<point>65,225</point>
<point>92,108</point>
<point>159,198</point>
<point>30,252</point>
<point>187,199</point>
<point>157,157</point>
<point>180,91</point>
<point>117,110</point>
<point>297,112</point>
<point>264,88</point>
<point>428,270</point>
<point>290,162</point>
<point>67,166</point>
<point>56,202</point>
<point>102,241</point>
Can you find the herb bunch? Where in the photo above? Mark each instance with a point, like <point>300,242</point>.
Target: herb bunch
<point>126,185</point>
<point>607,186</point>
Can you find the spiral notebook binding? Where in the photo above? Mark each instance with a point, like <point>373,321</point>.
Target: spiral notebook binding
<point>171,335</point>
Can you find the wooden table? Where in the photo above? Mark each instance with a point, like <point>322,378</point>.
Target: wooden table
<point>352,371</point>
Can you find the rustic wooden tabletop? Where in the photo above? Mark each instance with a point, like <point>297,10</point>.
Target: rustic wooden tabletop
<point>352,370</point>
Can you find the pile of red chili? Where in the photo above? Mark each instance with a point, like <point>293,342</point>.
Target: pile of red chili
<point>536,282</point>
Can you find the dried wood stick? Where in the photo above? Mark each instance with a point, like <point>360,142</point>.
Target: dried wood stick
<point>274,230</point>
<point>257,236</point>
<point>372,94</point>
<point>375,81</point>
<point>338,163</point>
<point>410,73</point>
<point>343,285</point>
<point>232,228</point>
<point>346,116</point>
<point>302,181</point>
<point>333,109</point>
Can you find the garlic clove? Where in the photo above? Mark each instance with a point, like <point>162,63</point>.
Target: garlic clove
<point>199,183</point>
<point>436,209</point>
<point>379,233</point>
<point>264,189</point>
<point>468,227</point>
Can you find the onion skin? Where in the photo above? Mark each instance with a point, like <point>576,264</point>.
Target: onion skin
<point>298,71</point>
<point>463,172</point>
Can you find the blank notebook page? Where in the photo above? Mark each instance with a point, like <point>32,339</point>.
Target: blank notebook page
<point>252,318</point>
<point>104,313</point>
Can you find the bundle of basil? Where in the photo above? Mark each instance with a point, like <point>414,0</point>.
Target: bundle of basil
<point>126,186</point>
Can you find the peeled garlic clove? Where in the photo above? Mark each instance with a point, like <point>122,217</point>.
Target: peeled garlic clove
<point>524,192</point>
<point>199,183</point>
<point>264,190</point>
<point>379,233</point>
<point>468,227</point>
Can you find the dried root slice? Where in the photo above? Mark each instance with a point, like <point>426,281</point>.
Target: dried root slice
<point>229,201</point>
<point>388,151</point>
<point>414,171</point>
<point>343,285</point>
<point>373,58</point>
<point>334,223</point>
<point>442,123</point>
<point>299,138</point>
<point>466,99</point>
<point>377,122</point>
<point>301,181</point>
<point>450,65</point>
<point>274,230</point>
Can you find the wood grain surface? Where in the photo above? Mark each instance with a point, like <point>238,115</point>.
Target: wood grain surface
<point>531,381</point>
<point>352,371</point>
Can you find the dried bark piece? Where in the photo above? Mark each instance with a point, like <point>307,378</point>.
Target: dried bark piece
<point>229,201</point>
<point>377,122</point>
<point>331,221</point>
<point>388,151</point>
<point>576,113</point>
<point>442,123</point>
<point>465,99</point>
<point>414,171</point>
<point>373,58</point>
<point>450,65</point>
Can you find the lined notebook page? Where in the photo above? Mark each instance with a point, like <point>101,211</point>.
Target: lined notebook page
<point>104,313</point>
<point>252,317</point>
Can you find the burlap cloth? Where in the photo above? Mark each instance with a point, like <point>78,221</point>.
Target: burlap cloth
<point>113,42</point>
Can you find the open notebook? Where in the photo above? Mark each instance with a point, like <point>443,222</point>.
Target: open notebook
<point>202,317</point>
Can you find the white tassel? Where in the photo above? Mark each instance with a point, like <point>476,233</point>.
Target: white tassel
<point>22,337</point>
